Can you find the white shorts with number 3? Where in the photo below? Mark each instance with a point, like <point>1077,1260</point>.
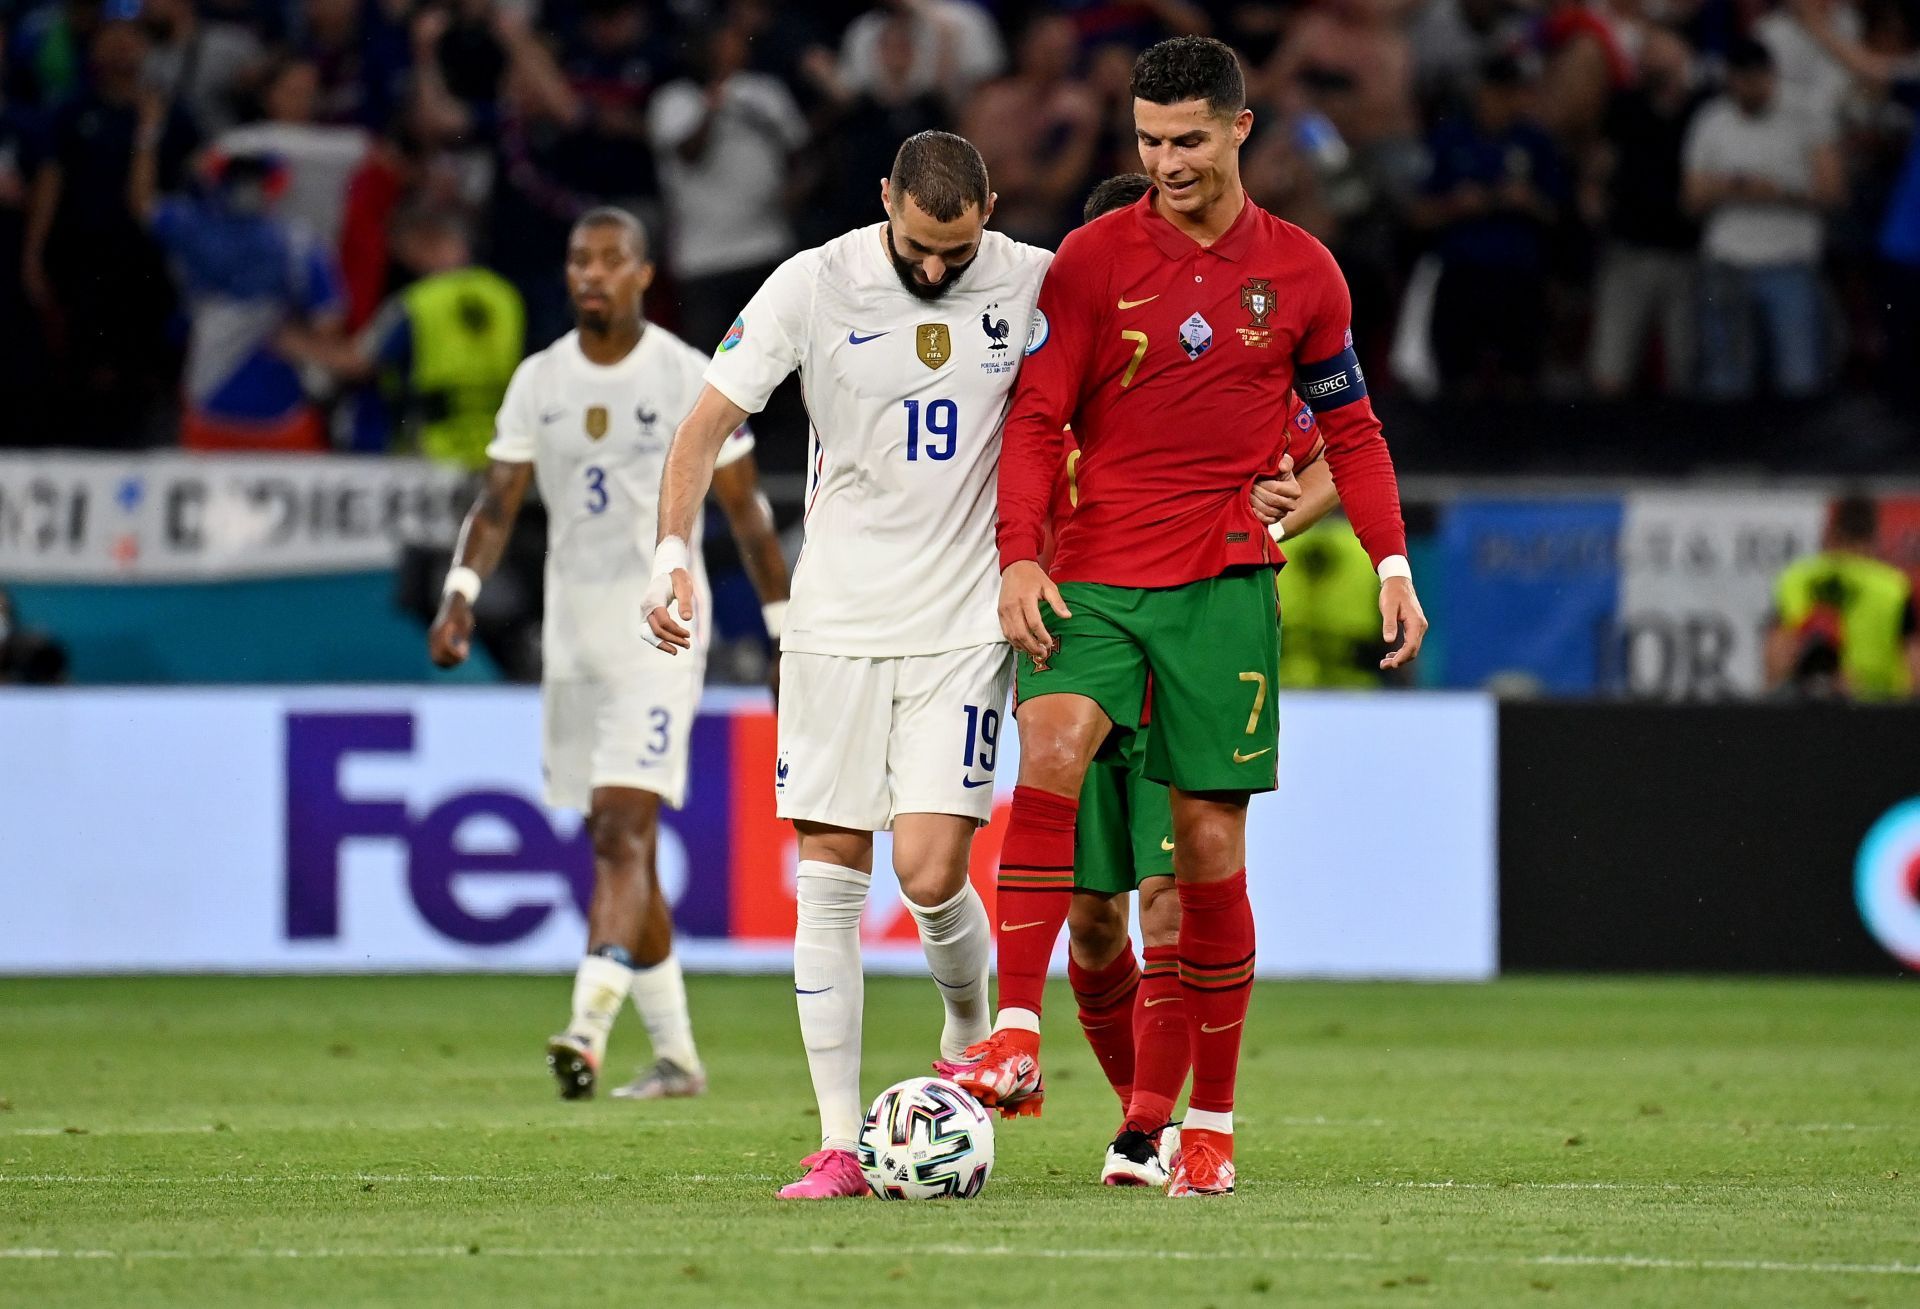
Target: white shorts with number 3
<point>863,741</point>
<point>627,730</point>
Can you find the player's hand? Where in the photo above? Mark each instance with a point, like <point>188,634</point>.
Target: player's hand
<point>1022,587</point>
<point>451,636</point>
<point>669,606</point>
<point>1277,496</point>
<point>1402,620</point>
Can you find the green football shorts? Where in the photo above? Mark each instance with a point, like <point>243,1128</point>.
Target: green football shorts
<point>1211,648</point>
<point>1124,834</point>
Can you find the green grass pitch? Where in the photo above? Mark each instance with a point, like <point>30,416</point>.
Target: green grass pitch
<point>214,1141</point>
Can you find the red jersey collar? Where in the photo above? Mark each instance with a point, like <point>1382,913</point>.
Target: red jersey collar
<point>1176,244</point>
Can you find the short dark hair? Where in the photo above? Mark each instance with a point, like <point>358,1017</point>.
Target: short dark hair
<point>1747,55</point>
<point>614,216</point>
<point>943,173</point>
<point>1191,68</point>
<point>1116,192</point>
<point>1856,518</point>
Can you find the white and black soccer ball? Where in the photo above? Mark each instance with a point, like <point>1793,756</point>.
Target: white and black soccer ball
<point>926,1139</point>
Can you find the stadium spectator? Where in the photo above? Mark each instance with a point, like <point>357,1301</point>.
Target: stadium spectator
<point>27,657</point>
<point>1590,52</point>
<point>956,47</point>
<point>51,48</point>
<point>1760,176</point>
<point>203,66</point>
<point>865,128</point>
<point>1352,61</point>
<point>1898,238</point>
<point>1037,130</point>
<point>94,278</point>
<point>320,159</point>
<point>1813,80</point>
<point>361,54</point>
<point>1844,622</point>
<point>246,274</point>
<point>436,359</point>
<point>1496,186</point>
<point>1646,278</point>
<point>722,144</point>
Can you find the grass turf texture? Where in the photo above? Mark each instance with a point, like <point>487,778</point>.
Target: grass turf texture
<point>397,1141</point>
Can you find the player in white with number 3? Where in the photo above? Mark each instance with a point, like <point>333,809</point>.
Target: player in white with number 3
<point>908,335</point>
<point>590,416</point>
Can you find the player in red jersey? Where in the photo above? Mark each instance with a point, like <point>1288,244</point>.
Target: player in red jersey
<point>1176,332</point>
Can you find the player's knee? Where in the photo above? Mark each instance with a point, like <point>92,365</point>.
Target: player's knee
<point>1055,758</point>
<point>1097,927</point>
<point>622,834</point>
<point>1159,912</point>
<point>930,882</point>
<point>830,896</point>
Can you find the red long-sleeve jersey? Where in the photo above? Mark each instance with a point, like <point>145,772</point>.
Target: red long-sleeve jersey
<point>1175,365</point>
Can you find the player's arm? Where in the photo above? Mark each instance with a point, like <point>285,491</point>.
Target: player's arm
<point>483,538</point>
<point>1318,498</point>
<point>1328,378</point>
<point>683,489</point>
<point>1044,399</point>
<point>763,346</point>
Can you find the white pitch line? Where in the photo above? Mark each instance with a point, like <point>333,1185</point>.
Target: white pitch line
<point>1625,1261</point>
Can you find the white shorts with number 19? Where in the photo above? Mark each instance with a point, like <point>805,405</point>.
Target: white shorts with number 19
<point>863,741</point>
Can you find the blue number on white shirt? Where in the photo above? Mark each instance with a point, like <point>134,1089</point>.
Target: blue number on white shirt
<point>659,720</point>
<point>596,489</point>
<point>943,424</point>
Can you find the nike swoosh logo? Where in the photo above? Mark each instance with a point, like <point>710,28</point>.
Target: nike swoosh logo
<point>1164,999</point>
<point>953,986</point>
<point>854,338</point>
<point>803,991</point>
<point>1239,758</point>
<point>969,783</point>
<point>1166,845</point>
<point>1018,927</point>
<point>1135,304</point>
<point>1225,1027</point>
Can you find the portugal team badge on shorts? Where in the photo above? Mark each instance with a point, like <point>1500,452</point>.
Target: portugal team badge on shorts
<point>596,422</point>
<point>933,343</point>
<point>1256,297</point>
<point>1196,336</point>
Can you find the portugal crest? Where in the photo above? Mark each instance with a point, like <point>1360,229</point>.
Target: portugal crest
<point>596,422</point>
<point>1256,297</point>
<point>933,343</point>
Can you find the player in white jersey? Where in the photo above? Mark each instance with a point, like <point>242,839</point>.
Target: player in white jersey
<point>907,336</point>
<point>589,418</point>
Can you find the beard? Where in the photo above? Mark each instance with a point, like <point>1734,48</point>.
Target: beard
<point>907,272</point>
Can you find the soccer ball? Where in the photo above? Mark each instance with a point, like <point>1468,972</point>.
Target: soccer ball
<point>926,1139</point>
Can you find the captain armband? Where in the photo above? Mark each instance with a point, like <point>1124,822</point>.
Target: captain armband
<point>1331,383</point>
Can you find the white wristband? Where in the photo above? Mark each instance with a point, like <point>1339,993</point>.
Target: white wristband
<point>1277,531</point>
<point>1395,566</point>
<point>463,582</point>
<point>670,554</point>
<point>774,614</point>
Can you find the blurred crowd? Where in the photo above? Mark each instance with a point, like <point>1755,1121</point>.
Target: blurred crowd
<point>308,224</point>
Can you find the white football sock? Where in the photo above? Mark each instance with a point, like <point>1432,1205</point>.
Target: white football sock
<point>599,986</point>
<point>660,996</point>
<point>830,992</point>
<point>959,945</point>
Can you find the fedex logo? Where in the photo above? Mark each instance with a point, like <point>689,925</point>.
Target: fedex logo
<point>321,819</point>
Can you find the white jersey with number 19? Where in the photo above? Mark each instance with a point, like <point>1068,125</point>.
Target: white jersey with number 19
<point>906,398</point>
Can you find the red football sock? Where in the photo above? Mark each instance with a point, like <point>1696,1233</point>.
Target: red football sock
<point>1035,891</point>
<point>1105,997</point>
<point>1162,1051</point>
<point>1216,975</point>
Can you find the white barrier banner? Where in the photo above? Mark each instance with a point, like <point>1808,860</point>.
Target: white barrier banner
<point>382,830</point>
<point>172,516</point>
<point>1696,586</point>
